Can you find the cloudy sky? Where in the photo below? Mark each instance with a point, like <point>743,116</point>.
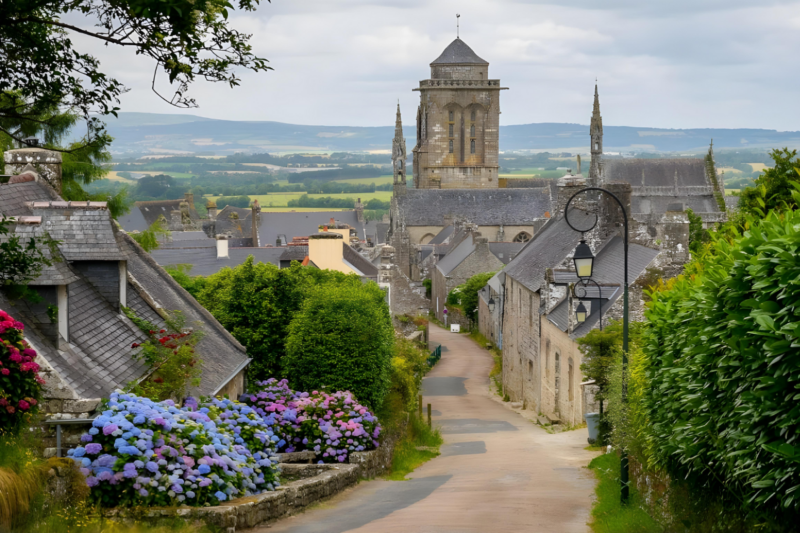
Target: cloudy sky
<point>659,63</point>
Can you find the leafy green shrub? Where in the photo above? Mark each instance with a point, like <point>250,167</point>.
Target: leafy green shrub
<point>256,302</point>
<point>428,284</point>
<point>724,368</point>
<point>342,339</point>
<point>469,293</point>
<point>409,364</point>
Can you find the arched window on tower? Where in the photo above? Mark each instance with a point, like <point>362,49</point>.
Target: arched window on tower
<point>472,128</point>
<point>472,146</point>
<point>522,236</point>
<point>451,146</point>
<point>472,116</point>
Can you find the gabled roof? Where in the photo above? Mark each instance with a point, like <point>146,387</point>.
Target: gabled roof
<point>359,262</point>
<point>456,256</point>
<point>442,236</point>
<point>609,265</point>
<point>302,224</point>
<point>661,172</point>
<point>505,251</point>
<point>204,261</point>
<point>458,53</point>
<point>484,207</point>
<point>134,221</point>
<point>151,210</point>
<point>15,196</point>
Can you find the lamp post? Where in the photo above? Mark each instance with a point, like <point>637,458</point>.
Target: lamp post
<point>584,270</point>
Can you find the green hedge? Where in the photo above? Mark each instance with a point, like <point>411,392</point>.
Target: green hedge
<point>723,343</point>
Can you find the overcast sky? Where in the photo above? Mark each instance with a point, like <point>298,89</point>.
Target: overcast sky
<point>659,63</point>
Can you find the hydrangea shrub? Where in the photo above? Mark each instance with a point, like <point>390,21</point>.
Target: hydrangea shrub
<point>333,425</point>
<point>141,452</point>
<point>20,384</point>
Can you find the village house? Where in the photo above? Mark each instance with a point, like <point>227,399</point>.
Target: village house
<point>83,337</point>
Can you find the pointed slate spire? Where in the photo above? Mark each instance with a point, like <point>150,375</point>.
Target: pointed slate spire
<point>399,155</point>
<point>596,135</point>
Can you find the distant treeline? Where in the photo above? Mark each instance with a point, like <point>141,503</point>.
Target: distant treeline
<point>347,172</point>
<point>342,203</point>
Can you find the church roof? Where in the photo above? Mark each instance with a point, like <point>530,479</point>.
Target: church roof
<point>457,53</point>
<point>484,207</point>
<point>664,172</point>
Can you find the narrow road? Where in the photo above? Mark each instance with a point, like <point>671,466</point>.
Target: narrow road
<point>497,472</point>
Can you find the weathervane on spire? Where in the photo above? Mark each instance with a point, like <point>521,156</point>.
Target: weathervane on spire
<point>458,29</point>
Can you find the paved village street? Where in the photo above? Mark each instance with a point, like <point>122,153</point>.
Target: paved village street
<point>497,472</point>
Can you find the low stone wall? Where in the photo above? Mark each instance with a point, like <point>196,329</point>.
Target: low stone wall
<point>308,483</point>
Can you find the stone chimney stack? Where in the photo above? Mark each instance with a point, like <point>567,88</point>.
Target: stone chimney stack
<point>359,211</point>
<point>189,197</point>
<point>211,207</point>
<point>255,218</point>
<point>611,216</point>
<point>567,187</point>
<point>175,220</point>
<point>47,164</point>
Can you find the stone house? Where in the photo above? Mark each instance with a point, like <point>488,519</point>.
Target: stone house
<point>79,330</point>
<point>177,215</point>
<point>473,255</point>
<point>534,311</point>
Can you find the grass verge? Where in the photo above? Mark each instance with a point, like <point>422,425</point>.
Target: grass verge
<point>496,374</point>
<point>608,513</point>
<point>407,456</point>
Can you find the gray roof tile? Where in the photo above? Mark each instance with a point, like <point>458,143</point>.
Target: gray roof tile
<point>485,207</point>
<point>458,52</point>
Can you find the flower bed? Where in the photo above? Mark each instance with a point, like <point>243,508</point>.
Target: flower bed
<point>20,384</point>
<point>140,452</point>
<point>333,425</point>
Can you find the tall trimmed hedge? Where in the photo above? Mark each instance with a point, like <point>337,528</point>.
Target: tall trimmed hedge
<point>342,339</point>
<point>723,345</point>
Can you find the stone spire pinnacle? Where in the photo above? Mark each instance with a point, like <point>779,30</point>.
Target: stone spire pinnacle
<point>596,135</point>
<point>398,124</point>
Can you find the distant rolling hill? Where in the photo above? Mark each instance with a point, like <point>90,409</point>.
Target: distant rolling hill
<point>141,133</point>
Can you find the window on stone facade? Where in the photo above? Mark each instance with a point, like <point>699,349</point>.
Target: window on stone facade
<point>472,117</point>
<point>530,370</point>
<point>522,236</point>
<point>451,146</point>
<point>472,146</point>
<point>472,129</point>
<point>452,115</point>
<point>558,376</point>
<point>451,129</point>
<point>547,355</point>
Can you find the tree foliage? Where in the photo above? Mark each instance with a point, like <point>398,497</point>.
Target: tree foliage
<point>45,67</point>
<point>698,236</point>
<point>20,261</point>
<point>773,188</point>
<point>148,239</point>
<point>341,339</point>
<point>724,368</point>
<point>256,302</point>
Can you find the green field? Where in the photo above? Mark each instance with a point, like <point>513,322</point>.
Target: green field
<point>282,199</point>
<point>381,180</point>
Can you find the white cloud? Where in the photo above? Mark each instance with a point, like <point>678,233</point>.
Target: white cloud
<point>683,63</point>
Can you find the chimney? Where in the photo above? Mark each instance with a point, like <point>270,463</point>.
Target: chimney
<point>255,218</point>
<point>579,165</point>
<point>175,220</point>
<point>222,246</point>
<point>359,211</point>
<point>326,250</point>
<point>47,164</point>
<point>211,207</point>
<point>189,197</point>
<point>567,187</point>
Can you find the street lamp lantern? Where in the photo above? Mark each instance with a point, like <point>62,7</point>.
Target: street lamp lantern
<point>584,260</point>
<point>491,305</point>
<point>580,313</point>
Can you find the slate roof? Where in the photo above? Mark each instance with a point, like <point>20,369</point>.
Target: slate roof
<point>359,262</point>
<point>151,210</point>
<point>442,236</point>
<point>456,256</point>
<point>657,172</point>
<point>204,261</point>
<point>134,221</point>
<point>546,249</point>
<point>86,233</point>
<point>458,53</point>
<point>303,224</point>
<point>505,251</point>
<point>609,265</point>
<point>15,196</point>
<point>294,253</point>
<point>223,356</point>
<point>484,207</point>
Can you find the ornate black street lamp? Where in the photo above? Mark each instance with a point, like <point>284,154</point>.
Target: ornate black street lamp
<point>586,264</point>
<point>581,314</point>
<point>491,304</point>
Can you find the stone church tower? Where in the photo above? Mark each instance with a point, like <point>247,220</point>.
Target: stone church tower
<point>596,134</point>
<point>399,156</point>
<point>458,123</point>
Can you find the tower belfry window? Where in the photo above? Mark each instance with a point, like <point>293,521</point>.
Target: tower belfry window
<point>451,116</point>
<point>472,115</point>
<point>451,130</point>
<point>472,130</point>
<point>472,146</point>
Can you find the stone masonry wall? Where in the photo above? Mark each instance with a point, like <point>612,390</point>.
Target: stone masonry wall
<point>521,363</point>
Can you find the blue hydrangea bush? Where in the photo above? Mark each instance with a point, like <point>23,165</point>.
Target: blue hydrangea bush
<point>141,452</point>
